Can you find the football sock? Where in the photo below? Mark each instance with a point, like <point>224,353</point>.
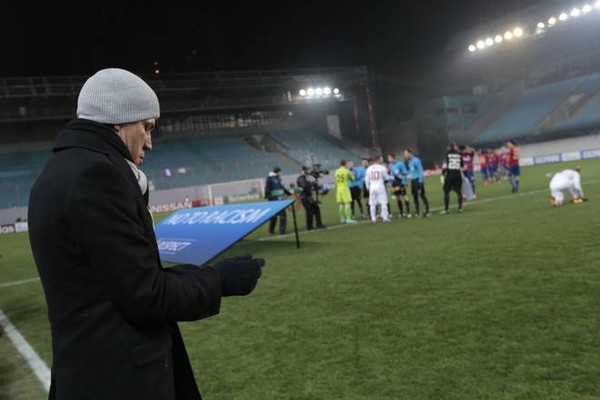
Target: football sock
<point>446,200</point>
<point>426,202</point>
<point>348,213</point>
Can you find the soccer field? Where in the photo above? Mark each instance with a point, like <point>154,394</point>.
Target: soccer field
<point>501,302</point>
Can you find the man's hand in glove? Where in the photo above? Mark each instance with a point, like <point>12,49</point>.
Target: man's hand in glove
<point>239,275</point>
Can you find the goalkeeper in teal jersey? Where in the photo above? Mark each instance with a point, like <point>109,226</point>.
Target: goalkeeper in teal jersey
<point>342,193</point>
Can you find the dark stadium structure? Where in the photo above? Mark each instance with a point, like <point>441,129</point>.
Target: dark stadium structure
<point>214,126</point>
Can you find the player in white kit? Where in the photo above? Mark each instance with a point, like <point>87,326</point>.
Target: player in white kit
<point>375,179</point>
<point>570,180</point>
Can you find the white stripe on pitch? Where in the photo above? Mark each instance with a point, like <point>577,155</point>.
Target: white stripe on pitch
<point>15,283</point>
<point>38,366</point>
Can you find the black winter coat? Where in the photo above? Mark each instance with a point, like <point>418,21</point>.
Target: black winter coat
<point>112,307</point>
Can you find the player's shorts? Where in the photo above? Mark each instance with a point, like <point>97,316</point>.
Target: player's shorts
<point>398,189</point>
<point>417,188</point>
<point>343,196</point>
<point>493,170</point>
<point>355,193</point>
<point>470,175</point>
<point>453,181</point>
<point>378,197</point>
<point>485,173</point>
<point>514,170</point>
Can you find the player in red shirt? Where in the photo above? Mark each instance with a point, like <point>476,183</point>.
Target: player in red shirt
<point>514,170</point>
<point>492,162</point>
<point>483,167</point>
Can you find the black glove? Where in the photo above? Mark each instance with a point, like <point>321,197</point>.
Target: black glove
<point>239,275</point>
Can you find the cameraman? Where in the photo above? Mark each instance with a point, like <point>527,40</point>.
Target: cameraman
<point>274,191</point>
<point>307,184</point>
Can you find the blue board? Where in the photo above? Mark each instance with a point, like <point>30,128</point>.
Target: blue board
<point>196,235</point>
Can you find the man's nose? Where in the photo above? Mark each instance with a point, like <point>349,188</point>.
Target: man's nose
<point>148,144</point>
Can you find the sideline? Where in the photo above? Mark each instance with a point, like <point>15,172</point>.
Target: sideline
<point>39,367</point>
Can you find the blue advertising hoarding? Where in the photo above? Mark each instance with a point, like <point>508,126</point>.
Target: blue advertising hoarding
<point>196,235</point>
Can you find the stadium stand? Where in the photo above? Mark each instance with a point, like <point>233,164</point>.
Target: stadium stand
<point>310,148</point>
<point>588,114</point>
<point>532,114</point>
<point>462,111</point>
<point>190,161</point>
<point>18,171</point>
<point>204,160</point>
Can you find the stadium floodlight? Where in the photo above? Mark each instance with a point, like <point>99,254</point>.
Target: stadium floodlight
<point>597,5</point>
<point>518,32</point>
<point>326,91</point>
<point>489,41</point>
<point>336,91</point>
<point>310,91</point>
<point>319,91</point>
<point>541,25</point>
<point>563,17</point>
<point>498,39</point>
<point>551,21</point>
<point>480,44</point>
<point>575,12</point>
<point>508,35</point>
<point>586,8</point>
<point>302,92</point>
<point>472,47</point>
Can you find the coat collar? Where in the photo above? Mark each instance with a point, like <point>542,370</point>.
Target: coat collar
<point>91,135</point>
<point>97,137</point>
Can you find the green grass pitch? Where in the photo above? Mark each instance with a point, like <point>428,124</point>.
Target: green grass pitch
<point>501,302</point>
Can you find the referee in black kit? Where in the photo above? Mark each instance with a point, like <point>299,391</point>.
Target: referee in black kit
<point>452,176</point>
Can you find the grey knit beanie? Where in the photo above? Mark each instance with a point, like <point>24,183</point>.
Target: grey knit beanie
<point>116,96</point>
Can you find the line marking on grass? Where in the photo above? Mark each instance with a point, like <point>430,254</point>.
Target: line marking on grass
<point>465,204</point>
<point>39,367</point>
<point>15,283</point>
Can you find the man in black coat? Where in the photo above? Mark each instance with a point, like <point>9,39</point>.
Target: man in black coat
<point>275,191</point>
<point>113,308</point>
<point>306,183</point>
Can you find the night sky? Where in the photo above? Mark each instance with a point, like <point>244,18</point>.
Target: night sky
<point>398,37</point>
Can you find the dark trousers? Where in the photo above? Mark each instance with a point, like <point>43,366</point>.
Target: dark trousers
<point>355,193</point>
<point>313,211</point>
<point>282,222</point>
<point>453,182</point>
<point>418,190</point>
